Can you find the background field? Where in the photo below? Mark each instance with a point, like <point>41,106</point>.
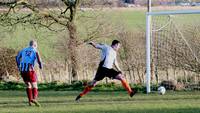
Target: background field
<point>101,102</point>
<point>52,45</point>
<point>47,40</point>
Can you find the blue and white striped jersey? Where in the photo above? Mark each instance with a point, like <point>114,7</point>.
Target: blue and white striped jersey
<point>26,59</point>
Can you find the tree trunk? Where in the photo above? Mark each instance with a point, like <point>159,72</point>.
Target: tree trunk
<point>73,54</point>
<point>130,73</point>
<point>152,71</point>
<point>138,72</point>
<point>133,71</point>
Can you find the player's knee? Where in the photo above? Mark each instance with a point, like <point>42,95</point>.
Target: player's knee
<point>28,85</point>
<point>34,85</point>
<point>119,77</point>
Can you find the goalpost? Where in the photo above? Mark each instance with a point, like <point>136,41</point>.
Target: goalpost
<point>170,43</point>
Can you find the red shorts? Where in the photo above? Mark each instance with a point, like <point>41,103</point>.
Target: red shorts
<point>29,76</point>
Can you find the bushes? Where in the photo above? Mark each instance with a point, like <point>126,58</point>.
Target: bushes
<point>7,63</point>
<point>75,86</point>
<point>11,86</point>
<point>170,85</point>
<point>78,86</point>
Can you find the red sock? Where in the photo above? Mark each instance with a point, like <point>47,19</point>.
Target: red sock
<point>35,93</point>
<point>86,90</point>
<point>126,86</point>
<point>29,94</point>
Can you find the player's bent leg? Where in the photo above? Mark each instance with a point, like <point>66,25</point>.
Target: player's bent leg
<point>131,91</point>
<point>29,92</point>
<point>87,89</point>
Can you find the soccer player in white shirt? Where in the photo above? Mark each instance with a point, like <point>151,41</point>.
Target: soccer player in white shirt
<point>105,69</point>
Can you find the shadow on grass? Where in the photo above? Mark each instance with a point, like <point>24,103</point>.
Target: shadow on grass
<point>96,110</point>
<point>186,110</point>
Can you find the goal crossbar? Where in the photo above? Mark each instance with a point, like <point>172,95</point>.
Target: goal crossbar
<point>174,12</point>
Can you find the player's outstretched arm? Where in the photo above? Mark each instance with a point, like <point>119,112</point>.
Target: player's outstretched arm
<point>93,44</point>
<point>96,45</point>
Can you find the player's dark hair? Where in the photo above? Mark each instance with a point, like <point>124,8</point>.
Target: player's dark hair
<point>115,42</point>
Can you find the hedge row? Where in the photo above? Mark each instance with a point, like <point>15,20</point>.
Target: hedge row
<point>76,85</point>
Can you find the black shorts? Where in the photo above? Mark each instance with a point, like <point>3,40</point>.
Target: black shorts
<point>103,72</point>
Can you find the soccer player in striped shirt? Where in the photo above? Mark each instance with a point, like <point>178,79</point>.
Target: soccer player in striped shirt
<point>105,69</point>
<point>26,59</point>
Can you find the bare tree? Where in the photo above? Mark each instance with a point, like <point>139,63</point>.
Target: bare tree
<point>62,17</point>
<point>133,54</point>
<point>23,11</point>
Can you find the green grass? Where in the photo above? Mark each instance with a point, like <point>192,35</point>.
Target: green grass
<point>101,102</point>
<point>130,19</point>
<point>20,37</point>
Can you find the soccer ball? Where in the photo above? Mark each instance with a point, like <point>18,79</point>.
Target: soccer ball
<point>161,90</point>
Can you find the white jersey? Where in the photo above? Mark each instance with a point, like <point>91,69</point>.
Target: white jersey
<point>108,54</point>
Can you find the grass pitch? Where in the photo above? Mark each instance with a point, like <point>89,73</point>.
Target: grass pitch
<point>101,102</point>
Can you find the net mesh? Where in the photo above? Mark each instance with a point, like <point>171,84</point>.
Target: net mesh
<point>175,50</point>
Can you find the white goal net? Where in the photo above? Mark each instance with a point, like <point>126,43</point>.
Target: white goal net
<point>173,49</point>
